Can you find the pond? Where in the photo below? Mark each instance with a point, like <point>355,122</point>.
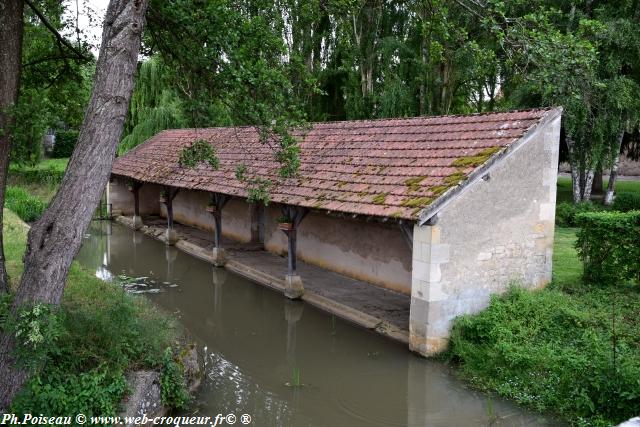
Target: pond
<point>284,362</point>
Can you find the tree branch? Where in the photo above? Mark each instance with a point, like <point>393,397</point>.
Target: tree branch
<point>61,40</point>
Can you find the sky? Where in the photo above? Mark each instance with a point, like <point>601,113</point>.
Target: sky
<point>89,17</point>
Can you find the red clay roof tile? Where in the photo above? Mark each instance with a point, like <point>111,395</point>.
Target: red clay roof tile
<point>389,167</point>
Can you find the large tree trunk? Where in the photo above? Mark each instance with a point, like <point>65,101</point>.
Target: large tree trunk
<point>10,64</point>
<point>56,237</point>
<point>608,197</point>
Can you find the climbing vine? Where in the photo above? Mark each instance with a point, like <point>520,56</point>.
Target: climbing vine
<point>199,151</point>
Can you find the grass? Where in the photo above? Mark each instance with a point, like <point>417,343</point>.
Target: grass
<point>22,203</point>
<point>96,336</point>
<point>41,180</point>
<point>567,268</point>
<point>565,193</point>
<point>47,164</point>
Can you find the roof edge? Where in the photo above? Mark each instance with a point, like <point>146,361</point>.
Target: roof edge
<point>441,202</point>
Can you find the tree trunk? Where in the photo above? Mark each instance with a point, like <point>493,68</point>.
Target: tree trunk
<point>598,185</point>
<point>608,197</point>
<point>10,63</point>
<point>575,173</point>
<point>56,237</point>
<point>588,185</point>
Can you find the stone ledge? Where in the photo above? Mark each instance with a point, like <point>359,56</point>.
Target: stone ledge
<point>343,311</point>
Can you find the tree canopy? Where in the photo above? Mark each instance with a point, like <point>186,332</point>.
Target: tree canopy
<point>286,62</point>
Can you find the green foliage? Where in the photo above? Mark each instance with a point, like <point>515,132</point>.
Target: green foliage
<point>556,352</point>
<point>47,172</point>
<point>626,201</point>
<point>258,190</point>
<point>100,333</point>
<point>284,220</point>
<point>609,246</point>
<point>172,383</point>
<point>26,206</point>
<point>241,172</point>
<point>65,143</point>
<point>200,151</point>
<point>34,331</point>
<point>155,106</point>
<point>580,58</point>
<point>33,117</point>
<point>94,392</point>
<point>54,85</point>
<point>566,212</point>
<point>287,155</point>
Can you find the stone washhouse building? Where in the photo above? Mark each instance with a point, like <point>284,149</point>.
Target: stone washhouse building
<point>443,210</point>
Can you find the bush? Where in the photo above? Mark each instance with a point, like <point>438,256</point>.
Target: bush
<point>566,212</point>
<point>65,143</point>
<point>609,246</point>
<point>627,201</point>
<point>101,333</point>
<point>173,389</point>
<point>48,172</point>
<point>552,351</point>
<point>27,207</point>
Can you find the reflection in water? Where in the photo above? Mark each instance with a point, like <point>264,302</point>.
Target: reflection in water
<point>255,341</point>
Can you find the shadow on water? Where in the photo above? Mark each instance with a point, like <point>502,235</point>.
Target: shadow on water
<point>284,362</point>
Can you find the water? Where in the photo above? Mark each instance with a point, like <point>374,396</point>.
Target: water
<point>286,363</point>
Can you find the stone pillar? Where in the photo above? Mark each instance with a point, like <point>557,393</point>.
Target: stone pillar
<point>428,324</point>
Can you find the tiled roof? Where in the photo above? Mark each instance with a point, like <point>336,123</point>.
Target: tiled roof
<point>390,167</point>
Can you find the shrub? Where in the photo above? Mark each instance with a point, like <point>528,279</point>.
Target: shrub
<point>626,201</point>
<point>101,333</point>
<point>173,390</point>
<point>609,246</point>
<point>65,143</point>
<point>566,212</point>
<point>48,172</point>
<point>552,351</point>
<point>27,207</point>
<point>104,332</point>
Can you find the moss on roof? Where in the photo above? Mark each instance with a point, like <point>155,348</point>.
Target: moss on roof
<point>477,160</point>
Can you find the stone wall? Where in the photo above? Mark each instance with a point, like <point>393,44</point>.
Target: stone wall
<point>496,232</point>
<point>189,208</point>
<point>121,199</point>
<point>369,251</point>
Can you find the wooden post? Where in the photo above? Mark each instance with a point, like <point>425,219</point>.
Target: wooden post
<point>136,201</point>
<point>291,237</point>
<point>171,235</point>
<point>135,186</point>
<point>218,201</point>
<point>293,281</point>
